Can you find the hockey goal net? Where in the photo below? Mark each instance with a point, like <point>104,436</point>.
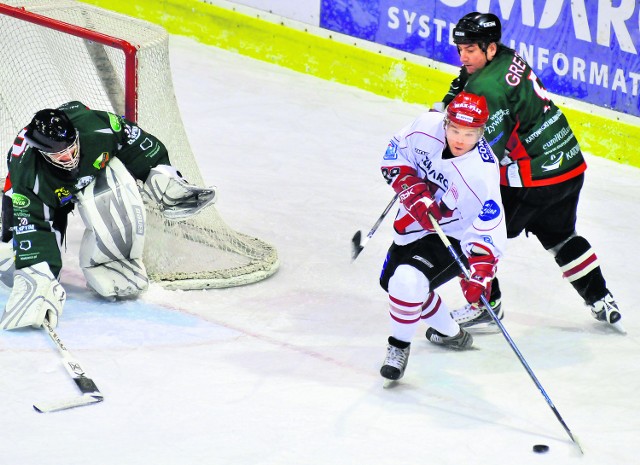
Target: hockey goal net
<point>53,52</point>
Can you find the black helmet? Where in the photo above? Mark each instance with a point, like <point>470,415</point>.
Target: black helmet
<point>477,28</point>
<point>52,132</point>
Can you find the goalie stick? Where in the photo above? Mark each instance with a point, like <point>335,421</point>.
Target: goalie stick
<point>357,243</point>
<point>90,392</point>
<point>487,306</point>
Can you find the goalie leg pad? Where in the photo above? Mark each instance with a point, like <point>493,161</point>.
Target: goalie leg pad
<point>7,264</point>
<point>113,242</point>
<point>175,197</point>
<point>122,278</point>
<point>36,295</point>
<point>114,217</point>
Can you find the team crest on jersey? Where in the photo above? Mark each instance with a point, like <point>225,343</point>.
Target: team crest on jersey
<point>101,161</point>
<point>392,151</point>
<point>490,211</point>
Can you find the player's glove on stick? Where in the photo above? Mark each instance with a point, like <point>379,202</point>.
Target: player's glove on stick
<point>36,295</point>
<point>416,197</point>
<point>482,269</point>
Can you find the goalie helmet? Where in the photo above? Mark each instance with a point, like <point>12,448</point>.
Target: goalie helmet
<point>468,110</point>
<point>477,28</point>
<point>52,132</point>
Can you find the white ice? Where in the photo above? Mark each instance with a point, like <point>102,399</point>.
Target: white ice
<point>286,371</point>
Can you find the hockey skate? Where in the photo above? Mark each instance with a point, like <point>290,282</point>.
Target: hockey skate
<point>460,341</point>
<point>475,317</point>
<point>606,310</point>
<point>396,360</point>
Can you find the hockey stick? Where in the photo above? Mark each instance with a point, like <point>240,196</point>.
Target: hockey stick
<point>467,274</point>
<point>357,243</point>
<point>90,392</point>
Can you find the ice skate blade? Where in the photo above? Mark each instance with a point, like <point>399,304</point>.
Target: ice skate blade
<point>618,327</point>
<point>390,383</point>
<point>483,328</point>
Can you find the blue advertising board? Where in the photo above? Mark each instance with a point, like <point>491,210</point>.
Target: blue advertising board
<point>583,49</point>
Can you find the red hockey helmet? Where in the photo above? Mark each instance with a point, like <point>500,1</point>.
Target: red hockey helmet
<point>468,110</point>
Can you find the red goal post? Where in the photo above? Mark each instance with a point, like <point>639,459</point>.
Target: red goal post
<point>54,51</point>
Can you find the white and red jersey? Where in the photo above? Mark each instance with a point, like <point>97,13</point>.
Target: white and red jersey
<point>466,187</point>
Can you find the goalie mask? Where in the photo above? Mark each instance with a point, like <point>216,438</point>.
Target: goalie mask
<point>52,132</point>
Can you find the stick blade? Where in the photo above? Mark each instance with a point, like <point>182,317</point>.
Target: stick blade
<point>80,401</point>
<point>356,245</point>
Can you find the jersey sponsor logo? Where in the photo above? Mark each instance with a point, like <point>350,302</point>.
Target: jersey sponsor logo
<point>487,239</point>
<point>434,176</point>
<point>114,121</point>
<point>101,161</point>
<point>485,152</point>
<point>146,144</point>
<point>554,162</point>
<point>29,228</point>
<point>392,151</point>
<point>20,201</point>
<point>24,245</point>
<point>490,211</point>
<point>64,196</point>
<point>421,152</point>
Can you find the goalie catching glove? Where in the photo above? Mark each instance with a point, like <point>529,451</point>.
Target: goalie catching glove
<point>36,295</point>
<point>176,198</point>
<point>417,199</point>
<point>482,269</point>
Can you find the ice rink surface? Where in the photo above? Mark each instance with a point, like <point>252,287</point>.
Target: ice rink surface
<point>285,371</point>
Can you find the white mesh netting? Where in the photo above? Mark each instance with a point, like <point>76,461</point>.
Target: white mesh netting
<point>43,68</point>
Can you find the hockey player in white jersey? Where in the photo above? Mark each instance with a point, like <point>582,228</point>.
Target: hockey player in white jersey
<point>442,167</point>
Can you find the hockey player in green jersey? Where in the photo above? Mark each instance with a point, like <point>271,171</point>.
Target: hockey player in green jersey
<point>542,166</point>
<point>74,156</point>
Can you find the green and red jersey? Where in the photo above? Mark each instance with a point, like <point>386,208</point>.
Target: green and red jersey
<point>526,130</point>
<point>39,190</point>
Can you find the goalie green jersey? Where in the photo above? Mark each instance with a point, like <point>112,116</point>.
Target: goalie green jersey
<point>42,194</point>
<point>526,130</point>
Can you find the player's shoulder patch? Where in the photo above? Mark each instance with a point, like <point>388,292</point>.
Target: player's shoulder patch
<point>392,151</point>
